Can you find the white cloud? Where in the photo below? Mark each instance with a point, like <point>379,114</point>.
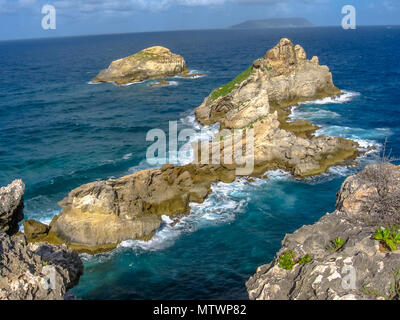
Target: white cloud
<point>89,6</point>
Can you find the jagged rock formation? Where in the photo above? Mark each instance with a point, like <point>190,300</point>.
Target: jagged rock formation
<point>99,215</point>
<point>282,78</point>
<point>260,97</point>
<point>151,63</point>
<point>37,271</point>
<point>363,268</point>
<point>11,206</point>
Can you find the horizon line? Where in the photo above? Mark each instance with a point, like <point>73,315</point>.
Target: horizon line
<point>180,30</point>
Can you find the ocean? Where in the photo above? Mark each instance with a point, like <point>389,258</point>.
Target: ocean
<point>59,131</point>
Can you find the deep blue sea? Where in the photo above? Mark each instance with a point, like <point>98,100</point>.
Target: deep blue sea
<point>58,131</point>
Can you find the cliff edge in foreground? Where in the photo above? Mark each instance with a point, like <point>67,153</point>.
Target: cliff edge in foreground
<point>38,271</point>
<point>151,63</point>
<point>348,254</point>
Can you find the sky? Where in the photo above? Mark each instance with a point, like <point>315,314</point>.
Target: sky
<point>22,19</point>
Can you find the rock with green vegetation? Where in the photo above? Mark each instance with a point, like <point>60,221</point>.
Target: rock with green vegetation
<point>261,98</point>
<point>282,78</point>
<point>364,267</point>
<point>152,63</point>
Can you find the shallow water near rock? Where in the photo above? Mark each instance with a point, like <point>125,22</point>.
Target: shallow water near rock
<point>58,132</point>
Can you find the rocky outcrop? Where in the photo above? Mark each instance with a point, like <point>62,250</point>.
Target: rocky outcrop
<point>282,78</point>
<point>151,63</point>
<point>99,215</point>
<point>34,271</point>
<point>260,99</point>
<point>310,266</point>
<point>11,206</point>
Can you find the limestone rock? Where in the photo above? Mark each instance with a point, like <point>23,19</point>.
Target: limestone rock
<point>36,271</point>
<point>11,206</point>
<point>282,78</point>
<point>108,212</point>
<point>360,269</point>
<point>35,230</point>
<point>151,63</point>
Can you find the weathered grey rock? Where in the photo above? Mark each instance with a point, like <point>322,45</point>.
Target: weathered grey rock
<point>328,275</point>
<point>11,206</point>
<point>38,271</point>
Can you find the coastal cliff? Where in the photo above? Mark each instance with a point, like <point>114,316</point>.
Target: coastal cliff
<point>98,216</point>
<point>151,63</point>
<point>39,271</point>
<point>350,253</point>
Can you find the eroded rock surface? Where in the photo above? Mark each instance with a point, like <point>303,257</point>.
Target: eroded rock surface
<point>36,271</point>
<point>282,78</point>
<point>11,206</point>
<point>108,212</point>
<point>151,63</point>
<point>330,272</point>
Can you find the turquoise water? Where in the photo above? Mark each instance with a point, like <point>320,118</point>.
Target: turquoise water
<point>58,131</point>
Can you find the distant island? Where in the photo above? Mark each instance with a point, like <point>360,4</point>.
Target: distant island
<point>273,23</point>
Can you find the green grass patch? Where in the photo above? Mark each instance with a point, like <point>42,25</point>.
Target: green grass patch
<point>144,55</point>
<point>389,237</point>
<point>335,244</point>
<point>286,260</point>
<point>227,88</point>
<point>305,259</point>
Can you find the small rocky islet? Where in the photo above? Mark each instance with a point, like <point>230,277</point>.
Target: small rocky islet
<point>97,216</point>
<point>152,63</point>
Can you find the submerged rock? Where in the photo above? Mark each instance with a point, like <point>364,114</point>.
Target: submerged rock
<point>357,266</point>
<point>11,206</point>
<point>161,83</point>
<point>151,63</point>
